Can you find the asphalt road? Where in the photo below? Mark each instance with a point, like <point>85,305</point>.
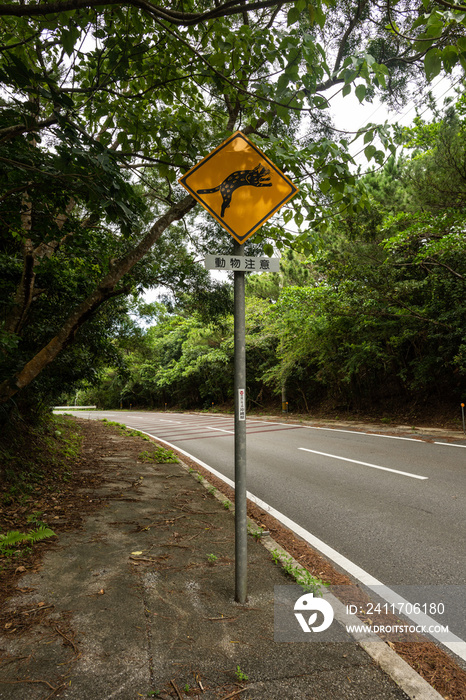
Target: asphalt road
<point>392,505</point>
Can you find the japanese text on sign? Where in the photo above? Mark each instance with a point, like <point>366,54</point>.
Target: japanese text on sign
<point>241,264</point>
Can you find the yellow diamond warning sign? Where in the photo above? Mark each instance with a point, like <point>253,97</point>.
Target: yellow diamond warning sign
<point>239,186</point>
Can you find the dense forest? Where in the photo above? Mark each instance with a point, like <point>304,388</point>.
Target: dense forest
<point>97,124</point>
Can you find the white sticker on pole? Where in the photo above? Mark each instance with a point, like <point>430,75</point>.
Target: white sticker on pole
<point>241,404</point>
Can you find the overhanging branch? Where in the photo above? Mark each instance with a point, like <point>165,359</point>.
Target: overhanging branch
<point>184,19</point>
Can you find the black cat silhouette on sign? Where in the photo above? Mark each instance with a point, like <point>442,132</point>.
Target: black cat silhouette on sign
<point>239,186</point>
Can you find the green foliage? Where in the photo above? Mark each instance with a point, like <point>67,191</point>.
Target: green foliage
<point>34,518</point>
<point>97,123</point>
<point>302,577</point>
<point>437,175</point>
<point>374,318</point>
<point>186,362</point>
<point>11,542</point>
<point>159,455</point>
<point>382,324</point>
<point>294,271</point>
<point>256,532</point>
<point>240,675</point>
<point>29,451</point>
<point>124,430</point>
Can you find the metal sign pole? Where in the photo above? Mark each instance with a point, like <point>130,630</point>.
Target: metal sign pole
<point>238,163</point>
<point>241,528</point>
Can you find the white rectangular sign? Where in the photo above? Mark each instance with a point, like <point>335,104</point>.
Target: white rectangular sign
<point>241,404</point>
<point>241,263</point>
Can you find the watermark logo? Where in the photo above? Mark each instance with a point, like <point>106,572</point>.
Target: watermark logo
<point>349,613</point>
<point>308,604</point>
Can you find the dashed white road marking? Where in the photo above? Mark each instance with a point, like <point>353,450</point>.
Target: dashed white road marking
<point>365,464</point>
<point>220,430</point>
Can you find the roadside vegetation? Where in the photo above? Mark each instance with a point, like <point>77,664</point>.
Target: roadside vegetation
<point>37,476</point>
<point>371,323</point>
<point>33,456</point>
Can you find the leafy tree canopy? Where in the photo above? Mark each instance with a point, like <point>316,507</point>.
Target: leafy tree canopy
<point>105,104</point>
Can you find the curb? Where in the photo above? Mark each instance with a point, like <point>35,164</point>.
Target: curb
<point>405,677</point>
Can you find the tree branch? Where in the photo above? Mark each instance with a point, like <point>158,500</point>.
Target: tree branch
<point>16,129</point>
<point>437,263</point>
<point>452,6</point>
<point>352,24</point>
<point>184,19</point>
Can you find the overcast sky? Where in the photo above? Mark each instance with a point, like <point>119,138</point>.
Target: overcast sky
<point>350,115</point>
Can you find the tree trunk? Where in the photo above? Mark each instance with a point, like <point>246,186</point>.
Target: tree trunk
<point>24,293</point>
<point>104,291</point>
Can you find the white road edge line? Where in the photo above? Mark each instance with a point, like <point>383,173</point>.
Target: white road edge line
<point>449,444</point>
<point>458,646</point>
<point>365,464</point>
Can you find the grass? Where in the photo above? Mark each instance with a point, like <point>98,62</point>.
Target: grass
<point>303,578</point>
<point>159,455</point>
<point>124,430</point>
<point>29,455</point>
<point>36,463</point>
<point>255,532</point>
